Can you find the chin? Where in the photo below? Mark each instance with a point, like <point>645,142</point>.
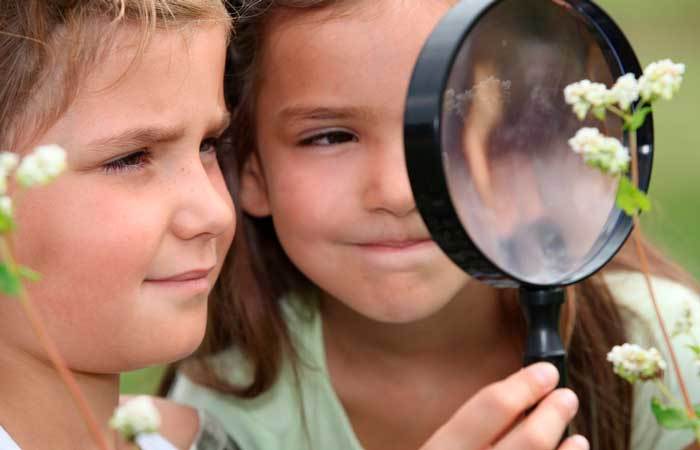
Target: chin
<point>404,304</point>
<point>179,347</point>
<point>158,356</point>
<point>398,310</point>
<point>172,345</point>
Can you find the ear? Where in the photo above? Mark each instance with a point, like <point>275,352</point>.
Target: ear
<point>253,191</point>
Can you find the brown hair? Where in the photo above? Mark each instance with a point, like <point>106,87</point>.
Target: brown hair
<point>47,47</point>
<point>246,312</point>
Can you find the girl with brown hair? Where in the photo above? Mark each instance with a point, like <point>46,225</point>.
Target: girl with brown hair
<point>337,322</point>
<point>131,237</point>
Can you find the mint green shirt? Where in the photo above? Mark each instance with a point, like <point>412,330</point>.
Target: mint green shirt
<point>304,412</point>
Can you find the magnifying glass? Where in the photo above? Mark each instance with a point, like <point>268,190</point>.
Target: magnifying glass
<point>486,139</point>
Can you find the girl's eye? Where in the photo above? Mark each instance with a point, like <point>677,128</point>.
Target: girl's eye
<point>132,161</point>
<point>335,137</point>
<point>209,145</point>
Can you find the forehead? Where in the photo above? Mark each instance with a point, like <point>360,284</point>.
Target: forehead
<point>369,43</point>
<point>177,77</point>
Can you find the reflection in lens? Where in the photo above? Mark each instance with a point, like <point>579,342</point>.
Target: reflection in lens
<point>529,203</point>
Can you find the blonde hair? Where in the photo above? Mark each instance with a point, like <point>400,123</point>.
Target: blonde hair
<point>48,47</point>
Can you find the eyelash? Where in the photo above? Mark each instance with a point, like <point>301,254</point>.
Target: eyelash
<point>213,145</point>
<point>333,137</point>
<point>132,161</point>
<point>141,158</point>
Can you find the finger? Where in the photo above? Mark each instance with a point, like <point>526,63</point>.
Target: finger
<point>576,442</point>
<point>494,409</point>
<point>544,427</point>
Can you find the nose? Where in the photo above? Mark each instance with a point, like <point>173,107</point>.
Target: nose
<point>387,187</point>
<point>205,208</point>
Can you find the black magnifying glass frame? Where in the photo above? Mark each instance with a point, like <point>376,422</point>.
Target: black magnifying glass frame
<point>423,130</point>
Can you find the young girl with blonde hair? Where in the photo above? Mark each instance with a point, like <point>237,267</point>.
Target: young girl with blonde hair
<point>340,324</point>
<point>130,238</point>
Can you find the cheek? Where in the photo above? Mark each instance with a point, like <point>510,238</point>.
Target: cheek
<point>88,244</point>
<point>313,196</point>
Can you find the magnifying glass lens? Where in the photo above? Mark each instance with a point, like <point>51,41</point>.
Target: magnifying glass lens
<point>530,204</point>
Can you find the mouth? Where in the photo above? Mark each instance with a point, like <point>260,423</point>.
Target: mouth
<point>195,281</point>
<point>396,245</point>
<point>189,275</point>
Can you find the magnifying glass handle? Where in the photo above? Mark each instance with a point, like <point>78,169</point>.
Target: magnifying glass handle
<point>541,307</point>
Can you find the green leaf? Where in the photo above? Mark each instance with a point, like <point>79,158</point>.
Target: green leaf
<point>6,223</point>
<point>695,349</point>
<point>630,199</point>
<point>9,282</point>
<point>638,119</point>
<point>671,417</point>
<point>28,274</point>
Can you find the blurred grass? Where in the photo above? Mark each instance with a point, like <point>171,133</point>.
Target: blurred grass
<point>144,381</point>
<point>657,29</point>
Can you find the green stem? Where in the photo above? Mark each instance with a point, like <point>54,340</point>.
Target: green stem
<point>52,351</point>
<point>635,160</point>
<point>620,113</point>
<point>637,237</point>
<point>668,395</point>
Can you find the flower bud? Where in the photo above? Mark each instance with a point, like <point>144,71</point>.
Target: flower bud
<point>625,91</point>
<point>634,363</point>
<point>661,79</point>
<point>136,416</point>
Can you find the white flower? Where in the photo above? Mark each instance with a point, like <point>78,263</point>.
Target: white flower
<point>586,140</point>
<point>661,79</point>
<point>8,161</point>
<point>617,157</point>
<point>625,91</point>
<point>42,166</point>
<point>6,205</point>
<point>138,415</point>
<point>584,95</point>
<point>634,363</point>
<point>600,151</point>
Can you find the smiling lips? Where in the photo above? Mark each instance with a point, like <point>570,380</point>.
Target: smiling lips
<point>395,245</point>
<point>185,276</point>
<point>193,280</point>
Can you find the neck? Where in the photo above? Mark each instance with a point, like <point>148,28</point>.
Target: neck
<point>438,363</point>
<point>37,410</point>
<point>469,324</point>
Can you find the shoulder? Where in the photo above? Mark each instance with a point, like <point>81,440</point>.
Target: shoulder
<point>299,409</point>
<point>677,304</point>
<point>630,288</point>
<point>630,291</point>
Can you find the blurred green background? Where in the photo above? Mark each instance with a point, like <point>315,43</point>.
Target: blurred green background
<point>657,29</point>
<point>671,29</point>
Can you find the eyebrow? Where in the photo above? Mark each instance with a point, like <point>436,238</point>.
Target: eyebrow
<point>143,136</point>
<point>136,137</point>
<point>301,112</point>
